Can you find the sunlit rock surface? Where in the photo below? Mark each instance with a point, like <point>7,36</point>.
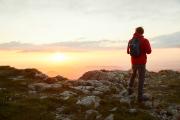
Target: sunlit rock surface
<point>96,95</point>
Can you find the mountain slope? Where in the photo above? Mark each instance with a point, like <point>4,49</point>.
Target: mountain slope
<point>96,95</point>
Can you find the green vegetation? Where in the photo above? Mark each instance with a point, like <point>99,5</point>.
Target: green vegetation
<point>16,103</point>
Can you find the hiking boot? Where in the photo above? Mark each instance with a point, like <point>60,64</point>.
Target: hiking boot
<point>143,99</point>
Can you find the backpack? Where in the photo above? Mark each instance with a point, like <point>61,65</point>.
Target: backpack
<point>134,46</point>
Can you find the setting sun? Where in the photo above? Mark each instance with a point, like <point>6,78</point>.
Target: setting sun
<point>58,57</point>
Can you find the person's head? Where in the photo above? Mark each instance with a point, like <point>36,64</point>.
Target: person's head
<point>139,30</point>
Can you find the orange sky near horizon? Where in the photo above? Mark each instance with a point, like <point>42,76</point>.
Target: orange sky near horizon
<point>73,64</point>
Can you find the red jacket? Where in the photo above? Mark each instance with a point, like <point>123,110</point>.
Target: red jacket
<point>145,49</point>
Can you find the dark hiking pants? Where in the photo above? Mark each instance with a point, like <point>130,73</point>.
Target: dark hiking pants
<point>141,68</point>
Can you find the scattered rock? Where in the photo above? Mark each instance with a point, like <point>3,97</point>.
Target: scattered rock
<point>91,89</point>
<point>82,88</point>
<point>98,117</point>
<point>123,92</point>
<point>94,83</point>
<point>117,96</point>
<point>89,100</point>
<point>17,78</point>
<point>125,100</point>
<point>110,117</point>
<point>148,96</point>
<point>114,109</point>
<point>148,104</point>
<point>173,109</point>
<point>43,86</point>
<point>63,117</point>
<point>2,88</point>
<point>97,92</point>
<point>60,110</point>
<point>91,114</point>
<point>32,92</point>
<point>102,88</point>
<point>133,110</point>
<point>43,97</point>
<point>67,94</point>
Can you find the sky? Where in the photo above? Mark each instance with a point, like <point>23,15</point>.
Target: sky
<point>54,21</point>
<point>70,37</point>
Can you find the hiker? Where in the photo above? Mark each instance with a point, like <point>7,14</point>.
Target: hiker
<point>138,47</point>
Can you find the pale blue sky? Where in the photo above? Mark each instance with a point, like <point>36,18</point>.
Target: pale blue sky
<point>50,21</point>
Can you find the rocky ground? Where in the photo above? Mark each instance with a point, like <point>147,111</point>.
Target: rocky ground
<point>28,94</point>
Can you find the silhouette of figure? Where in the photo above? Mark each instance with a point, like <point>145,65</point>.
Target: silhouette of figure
<point>138,47</point>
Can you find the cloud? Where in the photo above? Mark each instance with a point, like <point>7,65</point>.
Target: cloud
<point>81,45</point>
<point>167,41</point>
<point>68,46</point>
<point>44,21</point>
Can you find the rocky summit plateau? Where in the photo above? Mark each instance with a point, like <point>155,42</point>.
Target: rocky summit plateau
<point>28,94</point>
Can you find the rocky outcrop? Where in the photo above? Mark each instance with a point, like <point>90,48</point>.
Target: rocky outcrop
<point>13,73</point>
<point>97,95</point>
<point>30,73</point>
<point>115,75</point>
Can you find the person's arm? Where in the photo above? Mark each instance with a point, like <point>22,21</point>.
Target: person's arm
<point>128,48</point>
<point>148,47</point>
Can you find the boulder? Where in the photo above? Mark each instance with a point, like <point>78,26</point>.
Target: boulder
<point>63,117</point>
<point>67,94</point>
<point>102,88</point>
<point>84,89</point>
<point>91,114</point>
<point>113,109</point>
<point>110,117</point>
<point>132,110</point>
<point>125,100</point>
<point>2,89</point>
<point>89,100</point>
<point>96,92</point>
<point>173,109</point>
<point>43,97</point>
<point>60,109</point>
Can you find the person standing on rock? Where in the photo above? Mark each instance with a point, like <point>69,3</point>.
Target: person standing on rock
<point>138,47</point>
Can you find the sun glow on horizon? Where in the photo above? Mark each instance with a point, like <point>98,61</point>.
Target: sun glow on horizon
<point>74,64</point>
<point>58,57</point>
